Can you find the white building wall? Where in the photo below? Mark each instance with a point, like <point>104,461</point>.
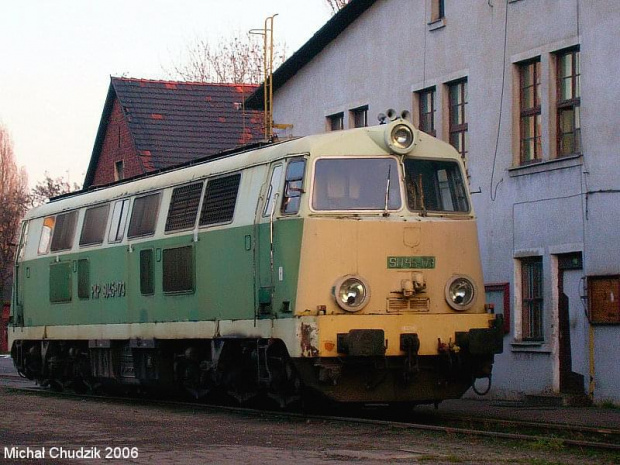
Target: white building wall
<point>547,209</point>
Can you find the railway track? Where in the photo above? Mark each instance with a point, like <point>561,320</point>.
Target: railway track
<point>553,435</point>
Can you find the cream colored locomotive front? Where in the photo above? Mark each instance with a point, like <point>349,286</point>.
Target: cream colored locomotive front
<point>390,243</point>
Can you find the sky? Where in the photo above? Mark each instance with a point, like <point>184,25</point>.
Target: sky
<point>57,57</point>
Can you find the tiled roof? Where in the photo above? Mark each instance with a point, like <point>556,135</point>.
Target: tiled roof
<point>175,122</point>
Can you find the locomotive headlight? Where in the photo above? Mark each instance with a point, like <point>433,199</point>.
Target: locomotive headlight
<point>460,292</point>
<point>400,136</point>
<point>351,293</point>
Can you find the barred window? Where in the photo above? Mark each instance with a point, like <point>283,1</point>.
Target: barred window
<point>64,231</point>
<point>220,200</point>
<point>184,207</point>
<point>144,215</point>
<point>178,269</point>
<point>93,229</point>
<point>532,299</point>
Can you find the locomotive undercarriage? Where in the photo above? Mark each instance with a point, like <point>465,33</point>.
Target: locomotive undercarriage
<point>246,371</point>
<point>241,370</point>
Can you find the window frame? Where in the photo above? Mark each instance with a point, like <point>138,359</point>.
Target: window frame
<point>98,241</point>
<point>66,231</point>
<point>424,113</point>
<point>573,103</point>
<point>286,199</point>
<point>532,306</point>
<point>438,10</point>
<point>533,111</point>
<point>355,114</point>
<point>143,232</point>
<point>121,222</point>
<point>335,122</point>
<point>459,110</point>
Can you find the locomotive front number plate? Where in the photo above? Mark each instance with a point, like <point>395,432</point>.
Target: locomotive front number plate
<point>411,262</point>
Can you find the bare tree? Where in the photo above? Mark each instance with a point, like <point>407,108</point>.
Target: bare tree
<point>236,60</point>
<point>337,5</point>
<point>14,202</point>
<point>49,188</point>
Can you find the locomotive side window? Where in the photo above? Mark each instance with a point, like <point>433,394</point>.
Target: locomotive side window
<point>272,192</point>
<point>435,186</point>
<point>46,234</point>
<point>93,229</point>
<point>144,216</point>
<point>62,239</point>
<point>119,220</point>
<point>220,199</point>
<point>356,184</point>
<point>293,186</point>
<point>183,207</point>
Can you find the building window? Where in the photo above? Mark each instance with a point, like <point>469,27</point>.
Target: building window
<point>119,170</point>
<point>532,299</point>
<point>437,10</point>
<point>335,122</point>
<point>457,94</point>
<point>359,117</point>
<point>426,111</point>
<point>568,103</point>
<point>530,116</point>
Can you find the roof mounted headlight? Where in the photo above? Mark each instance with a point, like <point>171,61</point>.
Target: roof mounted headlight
<point>351,293</point>
<point>400,136</point>
<point>460,292</point>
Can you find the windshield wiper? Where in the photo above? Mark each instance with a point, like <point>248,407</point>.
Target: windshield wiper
<point>387,192</point>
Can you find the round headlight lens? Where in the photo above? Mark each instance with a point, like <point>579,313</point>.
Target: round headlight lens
<point>402,136</point>
<point>460,293</point>
<point>351,293</point>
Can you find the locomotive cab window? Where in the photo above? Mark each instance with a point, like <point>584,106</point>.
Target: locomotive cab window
<point>64,230</point>
<point>356,184</point>
<point>144,216</point>
<point>293,186</point>
<point>119,220</point>
<point>272,192</point>
<point>435,186</point>
<point>93,229</point>
<point>46,234</point>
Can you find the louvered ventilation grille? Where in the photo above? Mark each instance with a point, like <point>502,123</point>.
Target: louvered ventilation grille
<point>395,305</point>
<point>220,199</point>
<point>184,207</point>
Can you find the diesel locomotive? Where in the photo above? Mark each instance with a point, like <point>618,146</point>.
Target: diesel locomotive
<point>344,263</point>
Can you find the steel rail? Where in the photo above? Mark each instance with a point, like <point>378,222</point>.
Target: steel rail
<point>341,419</point>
